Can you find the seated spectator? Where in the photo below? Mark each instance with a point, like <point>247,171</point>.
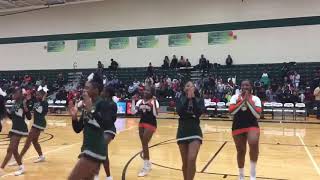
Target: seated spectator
<point>166,63</point>
<point>229,60</point>
<point>136,83</point>
<point>114,65</point>
<point>174,62</point>
<point>62,94</point>
<point>182,62</point>
<point>294,97</point>
<point>228,97</point>
<point>150,70</point>
<point>271,95</point>
<point>302,97</point>
<point>188,64</point>
<point>296,80</point>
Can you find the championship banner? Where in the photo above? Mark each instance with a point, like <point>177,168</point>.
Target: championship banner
<point>147,41</point>
<point>55,46</point>
<point>176,40</point>
<point>119,43</point>
<point>86,45</point>
<point>221,37</point>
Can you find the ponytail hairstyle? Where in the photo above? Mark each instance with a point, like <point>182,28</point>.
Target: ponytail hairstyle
<point>96,80</point>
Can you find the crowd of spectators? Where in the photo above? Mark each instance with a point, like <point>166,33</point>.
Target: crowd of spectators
<point>285,89</point>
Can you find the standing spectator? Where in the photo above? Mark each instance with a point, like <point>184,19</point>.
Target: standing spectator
<point>284,69</point>
<point>114,65</point>
<point>202,62</point>
<point>229,60</point>
<point>166,63</point>
<point>150,70</point>
<point>316,94</point>
<point>60,80</point>
<point>100,69</point>
<point>174,62</point>
<point>100,65</point>
<point>265,79</point>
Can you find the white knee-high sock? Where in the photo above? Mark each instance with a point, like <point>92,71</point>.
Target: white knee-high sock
<point>241,172</point>
<point>253,169</point>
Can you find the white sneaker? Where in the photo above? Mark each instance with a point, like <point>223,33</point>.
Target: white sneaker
<point>96,177</point>
<point>144,171</point>
<point>253,178</point>
<point>40,159</point>
<point>109,178</point>
<point>20,171</point>
<point>241,178</point>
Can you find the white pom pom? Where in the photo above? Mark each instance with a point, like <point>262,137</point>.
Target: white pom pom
<point>2,93</point>
<point>90,77</point>
<point>115,99</point>
<point>45,89</point>
<point>40,88</point>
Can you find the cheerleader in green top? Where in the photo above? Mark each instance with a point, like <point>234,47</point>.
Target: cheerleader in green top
<point>17,114</point>
<point>189,136</point>
<point>40,110</point>
<point>93,122</point>
<point>110,132</point>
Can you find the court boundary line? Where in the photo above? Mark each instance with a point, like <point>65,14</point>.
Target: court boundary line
<point>123,177</point>
<point>316,167</point>
<point>213,157</point>
<point>47,152</point>
<point>57,149</point>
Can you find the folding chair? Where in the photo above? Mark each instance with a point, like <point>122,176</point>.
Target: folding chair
<point>277,108</point>
<point>222,107</point>
<point>211,108</point>
<point>288,108</point>
<point>267,108</point>
<point>300,109</point>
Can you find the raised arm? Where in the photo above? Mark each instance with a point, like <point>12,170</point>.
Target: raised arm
<point>198,106</point>
<point>254,104</point>
<point>77,124</point>
<point>235,104</point>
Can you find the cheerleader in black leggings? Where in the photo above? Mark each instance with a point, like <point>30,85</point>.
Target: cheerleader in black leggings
<point>246,110</point>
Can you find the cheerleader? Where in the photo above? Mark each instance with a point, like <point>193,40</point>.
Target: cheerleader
<point>2,107</point>
<point>110,132</point>
<point>148,109</point>
<point>17,114</point>
<point>246,110</point>
<point>92,122</point>
<point>189,135</point>
<point>40,110</point>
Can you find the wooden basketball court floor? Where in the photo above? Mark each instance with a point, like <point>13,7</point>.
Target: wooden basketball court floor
<point>287,151</point>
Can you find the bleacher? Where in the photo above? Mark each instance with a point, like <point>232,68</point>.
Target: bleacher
<point>127,75</point>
